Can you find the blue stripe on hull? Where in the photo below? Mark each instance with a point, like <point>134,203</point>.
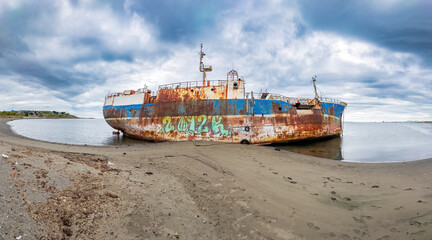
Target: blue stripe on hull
<point>216,107</point>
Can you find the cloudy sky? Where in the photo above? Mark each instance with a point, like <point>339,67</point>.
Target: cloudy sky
<point>67,55</point>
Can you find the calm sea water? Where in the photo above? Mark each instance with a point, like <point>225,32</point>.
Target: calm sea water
<point>361,142</point>
<point>70,131</point>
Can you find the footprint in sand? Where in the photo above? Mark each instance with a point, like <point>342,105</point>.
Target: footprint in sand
<point>384,237</point>
<point>312,226</point>
<point>327,235</point>
<point>345,237</point>
<point>399,208</point>
<point>358,220</point>
<point>367,217</point>
<point>289,179</point>
<point>415,223</point>
<point>418,233</point>
<point>352,208</point>
<point>394,230</point>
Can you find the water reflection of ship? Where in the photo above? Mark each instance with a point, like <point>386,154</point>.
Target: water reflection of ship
<point>121,139</point>
<point>329,148</point>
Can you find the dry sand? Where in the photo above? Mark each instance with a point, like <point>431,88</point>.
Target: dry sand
<point>204,190</point>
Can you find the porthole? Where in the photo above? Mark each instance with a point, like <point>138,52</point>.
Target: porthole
<point>235,85</point>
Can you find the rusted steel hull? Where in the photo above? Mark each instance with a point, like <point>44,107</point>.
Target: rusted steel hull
<point>227,120</point>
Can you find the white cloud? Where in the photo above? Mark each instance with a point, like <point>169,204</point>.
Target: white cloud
<point>70,24</point>
<point>17,96</point>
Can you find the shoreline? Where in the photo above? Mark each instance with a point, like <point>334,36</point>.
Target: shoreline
<point>205,190</point>
<point>274,145</point>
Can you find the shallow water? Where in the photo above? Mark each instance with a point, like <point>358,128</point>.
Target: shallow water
<point>94,132</point>
<point>374,142</point>
<point>361,142</point>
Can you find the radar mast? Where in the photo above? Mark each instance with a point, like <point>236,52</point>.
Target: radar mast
<point>315,88</point>
<point>204,68</point>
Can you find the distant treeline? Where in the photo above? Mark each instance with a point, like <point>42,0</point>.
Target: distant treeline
<point>35,114</point>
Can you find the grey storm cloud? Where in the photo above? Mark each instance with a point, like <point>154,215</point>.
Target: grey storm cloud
<point>401,26</point>
<point>179,20</point>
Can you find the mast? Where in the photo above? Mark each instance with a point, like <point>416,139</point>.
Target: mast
<point>315,89</point>
<point>204,68</point>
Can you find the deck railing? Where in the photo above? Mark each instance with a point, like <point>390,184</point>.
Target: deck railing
<point>331,100</point>
<point>275,96</point>
<point>190,84</point>
<point>291,100</point>
<point>265,95</point>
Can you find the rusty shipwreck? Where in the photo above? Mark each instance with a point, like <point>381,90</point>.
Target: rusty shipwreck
<point>221,110</point>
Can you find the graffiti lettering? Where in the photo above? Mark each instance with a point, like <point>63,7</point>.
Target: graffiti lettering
<point>166,121</point>
<point>218,126</point>
<point>187,124</point>
<point>191,121</point>
<point>182,125</point>
<point>202,119</point>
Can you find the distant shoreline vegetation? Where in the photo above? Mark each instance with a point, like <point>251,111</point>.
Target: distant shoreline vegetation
<point>35,114</point>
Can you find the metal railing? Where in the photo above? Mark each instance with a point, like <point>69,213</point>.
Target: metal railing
<point>291,100</point>
<point>275,96</point>
<point>190,84</point>
<point>262,95</point>
<point>322,99</point>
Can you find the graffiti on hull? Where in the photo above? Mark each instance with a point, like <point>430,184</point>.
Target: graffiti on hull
<point>193,125</point>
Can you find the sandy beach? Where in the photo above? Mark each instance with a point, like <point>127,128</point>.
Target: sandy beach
<point>204,190</point>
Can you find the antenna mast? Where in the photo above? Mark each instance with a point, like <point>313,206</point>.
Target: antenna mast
<point>204,68</point>
<point>316,93</point>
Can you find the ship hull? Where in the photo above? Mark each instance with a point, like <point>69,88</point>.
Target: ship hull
<point>256,121</point>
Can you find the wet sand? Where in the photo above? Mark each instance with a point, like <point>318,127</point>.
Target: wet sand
<point>204,190</point>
